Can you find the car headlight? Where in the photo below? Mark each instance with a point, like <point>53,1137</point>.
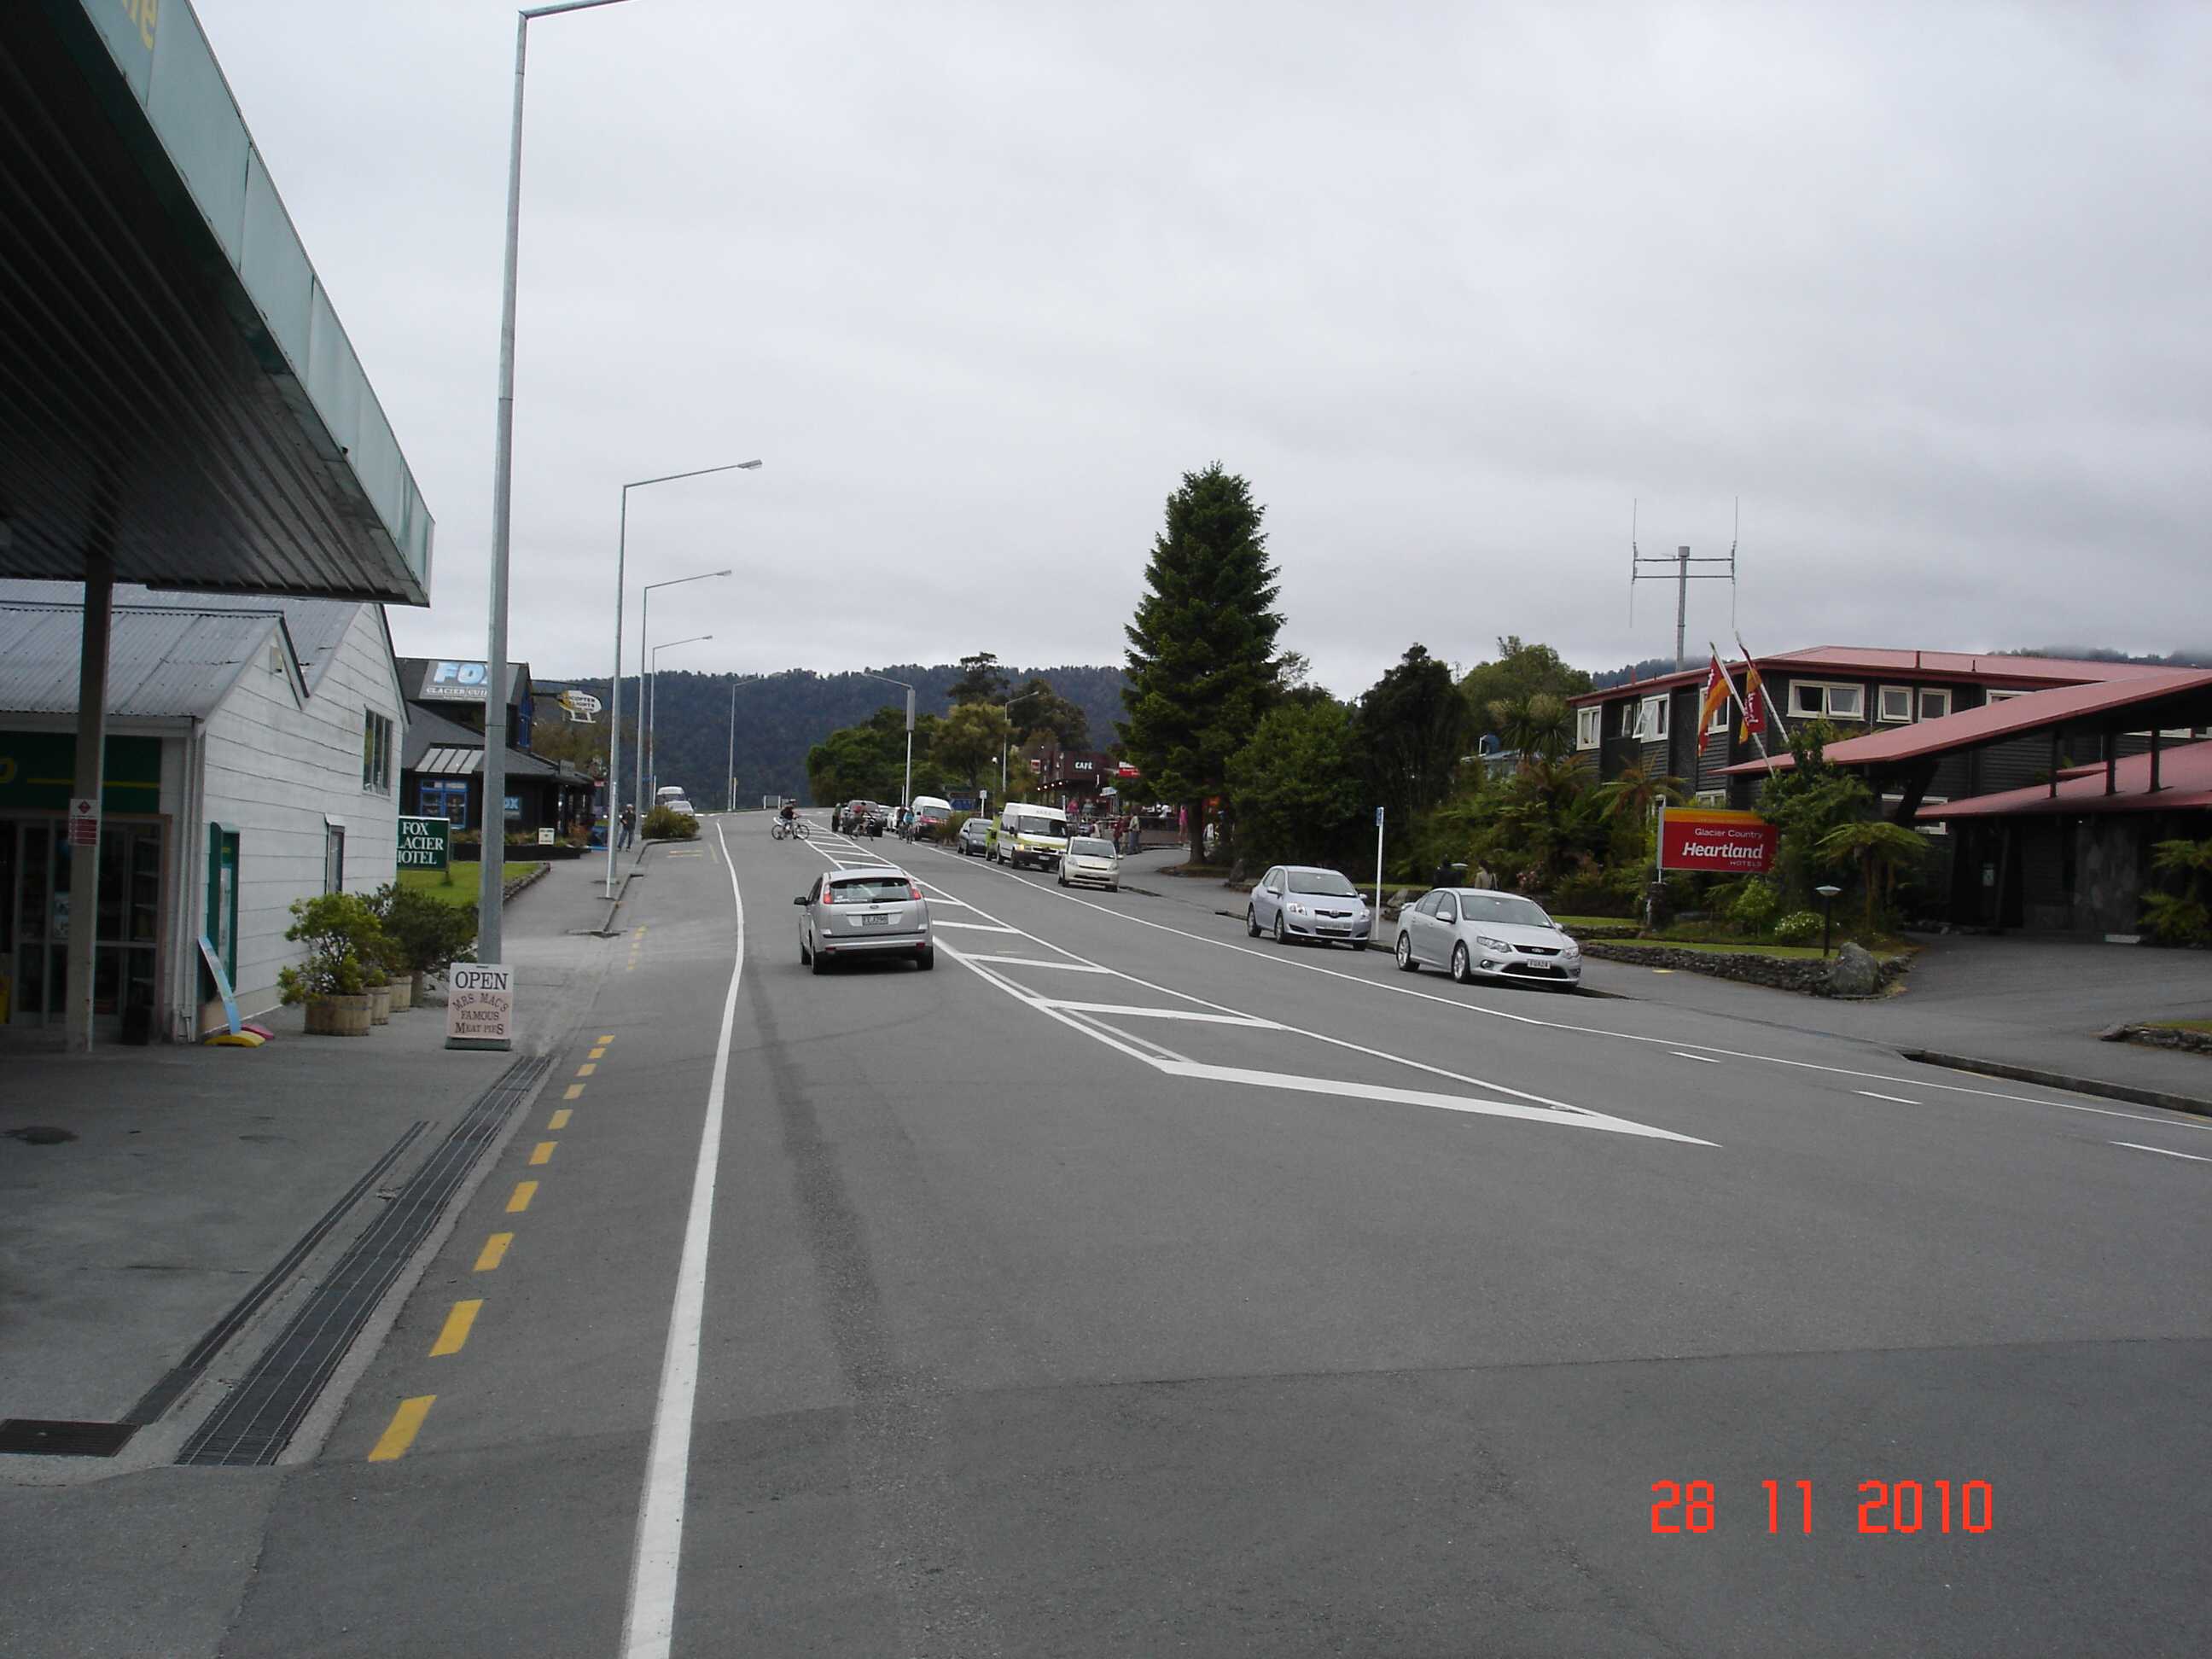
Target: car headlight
<point>1297,910</point>
<point>1498,945</point>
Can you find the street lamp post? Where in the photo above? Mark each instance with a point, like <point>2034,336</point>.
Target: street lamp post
<point>614,716</point>
<point>730,769</point>
<point>1827,913</point>
<point>907,799</point>
<point>1002,707</point>
<point>645,673</point>
<point>488,893</point>
<point>652,702</point>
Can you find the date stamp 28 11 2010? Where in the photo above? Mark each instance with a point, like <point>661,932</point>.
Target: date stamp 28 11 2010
<point>1884,1506</point>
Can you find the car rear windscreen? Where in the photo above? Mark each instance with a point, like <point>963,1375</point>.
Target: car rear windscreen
<point>1090,848</point>
<point>1033,823</point>
<point>871,889</point>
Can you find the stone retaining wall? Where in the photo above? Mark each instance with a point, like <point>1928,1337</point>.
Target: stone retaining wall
<point>2158,1036</point>
<point>1807,976</point>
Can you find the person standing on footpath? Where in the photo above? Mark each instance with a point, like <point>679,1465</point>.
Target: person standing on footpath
<point>628,826</point>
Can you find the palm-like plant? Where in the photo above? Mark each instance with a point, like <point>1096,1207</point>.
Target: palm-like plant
<point>1636,790</point>
<point>2182,918</point>
<point>1882,848</point>
<point>1535,725</point>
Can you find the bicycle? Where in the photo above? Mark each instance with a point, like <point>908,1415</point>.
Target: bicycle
<point>785,828</point>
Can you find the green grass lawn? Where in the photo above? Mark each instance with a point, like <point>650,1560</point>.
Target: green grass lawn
<point>1595,921</point>
<point>458,886</point>
<point>2203,1025</point>
<point>1737,947</point>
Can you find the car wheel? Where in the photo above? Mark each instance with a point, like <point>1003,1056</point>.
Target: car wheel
<point>821,962</point>
<point>1282,933</point>
<point>1461,972</point>
<point>1114,887</point>
<point>928,959</point>
<point>1063,881</point>
<point>1251,923</point>
<point>1406,954</point>
<point>806,956</point>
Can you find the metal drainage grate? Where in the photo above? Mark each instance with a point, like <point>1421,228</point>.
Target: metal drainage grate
<point>262,1412</point>
<point>42,1436</point>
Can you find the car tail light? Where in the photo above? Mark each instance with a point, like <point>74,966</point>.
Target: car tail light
<point>829,896</point>
<point>913,890</point>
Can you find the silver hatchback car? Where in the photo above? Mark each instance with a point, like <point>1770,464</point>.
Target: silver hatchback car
<point>872,909</point>
<point>1303,900</point>
<point>1472,934</point>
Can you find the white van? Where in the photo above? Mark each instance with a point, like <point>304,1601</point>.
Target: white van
<point>1031,834</point>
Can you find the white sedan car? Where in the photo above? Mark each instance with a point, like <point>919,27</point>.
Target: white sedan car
<point>1474,933</point>
<point>1091,859</point>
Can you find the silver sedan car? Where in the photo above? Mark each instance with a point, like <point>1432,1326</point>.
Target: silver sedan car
<point>1474,933</point>
<point>860,910</point>
<point>1091,859</point>
<point>1302,900</point>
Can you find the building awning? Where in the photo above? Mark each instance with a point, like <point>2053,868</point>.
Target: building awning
<point>450,762</point>
<point>2185,775</point>
<point>175,387</point>
<point>2170,698</point>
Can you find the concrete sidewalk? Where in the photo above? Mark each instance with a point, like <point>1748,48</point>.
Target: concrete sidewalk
<point>188,1174</point>
<point>2031,1003</point>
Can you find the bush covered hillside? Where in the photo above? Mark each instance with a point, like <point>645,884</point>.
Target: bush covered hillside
<point>781,716</point>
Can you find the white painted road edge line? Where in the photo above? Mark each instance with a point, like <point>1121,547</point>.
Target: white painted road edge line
<point>1039,962</point>
<point>649,1622</point>
<point>1702,1060</point>
<point>2137,1146</point>
<point>1899,1100</point>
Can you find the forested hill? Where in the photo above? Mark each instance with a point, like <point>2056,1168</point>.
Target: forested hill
<point>780,716</point>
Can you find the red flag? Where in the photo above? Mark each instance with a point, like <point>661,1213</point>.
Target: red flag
<point>1717,688</point>
<point>1754,704</point>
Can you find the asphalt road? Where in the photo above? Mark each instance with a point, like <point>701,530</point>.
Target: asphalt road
<point>1128,1286</point>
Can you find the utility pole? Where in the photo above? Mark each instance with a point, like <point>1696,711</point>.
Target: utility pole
<point>1677,565</point>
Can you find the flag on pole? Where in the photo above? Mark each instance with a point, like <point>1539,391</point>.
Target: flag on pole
<point>1754,704</point>
<point>1718,692</point>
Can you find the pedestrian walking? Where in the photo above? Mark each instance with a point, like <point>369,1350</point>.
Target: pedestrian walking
<point>628,826</point>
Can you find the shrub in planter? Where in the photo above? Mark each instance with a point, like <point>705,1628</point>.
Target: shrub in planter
<point>341,933</point>
<point>424,933</point>
<point>666,823</point>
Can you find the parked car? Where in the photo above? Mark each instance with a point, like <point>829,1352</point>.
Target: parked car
<point>928,817</point>
<point>1472,933</point>
<point>1032,835</point>
<point>1089,859</point>
<point>678,804</point>
<point>974,837</point>
<point>1303,900</point>
<point>848,818</point>
<point>856,910</point>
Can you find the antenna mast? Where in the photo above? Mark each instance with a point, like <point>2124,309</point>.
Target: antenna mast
<point>1676,569</point>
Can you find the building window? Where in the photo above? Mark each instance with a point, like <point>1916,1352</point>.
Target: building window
<point>333,857</point>
<point>1713,798</point>
<point>1934,705</point>
<point>1895,703</point>
<point>1651,719</point>
<point>2002,697</point>
<point>1586,724</point>
<point>1721,717</point>
<point>376,753</point>
<point>1890,803</point>
<point>1811,699</point>
<point>445,797</point>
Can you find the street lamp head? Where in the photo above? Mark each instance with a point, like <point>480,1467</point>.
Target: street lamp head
<point>1828,892</point>
<point>748,466</point>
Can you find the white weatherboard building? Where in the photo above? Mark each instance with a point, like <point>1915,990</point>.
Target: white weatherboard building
<point>252,759</point>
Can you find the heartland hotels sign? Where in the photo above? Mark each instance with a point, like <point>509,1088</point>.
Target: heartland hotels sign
<point>1709,838</point>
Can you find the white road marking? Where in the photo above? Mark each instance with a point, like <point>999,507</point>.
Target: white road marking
<point>2137,1146</point>
<point>649,1622</point>
<point>977,926</point>
<point>1702,1060</point>
<point>1898,1099</point>
<point>1202,1016</point>
<point>1285,960</point>
<point>1036,962</point>
<point>1327,1085</point>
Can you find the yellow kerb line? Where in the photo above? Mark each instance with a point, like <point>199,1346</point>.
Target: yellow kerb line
<point>559,1120</point>
<point>597,1054</point>
<point>523,1192</point>
<point>575,1092</point>
<point>606,1040</point>
<point>586,1069</point>
<point>457,1324</point>
<point>543,1151</point>
<point>399,1434</point>
<point>494,1252</point>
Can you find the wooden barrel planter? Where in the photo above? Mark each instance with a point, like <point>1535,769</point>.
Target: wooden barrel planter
<point>338,1015</point>
<point>403,994</point>
<point>380,1005</point>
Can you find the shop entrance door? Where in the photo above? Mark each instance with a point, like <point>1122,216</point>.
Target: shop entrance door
<point>35,872</point>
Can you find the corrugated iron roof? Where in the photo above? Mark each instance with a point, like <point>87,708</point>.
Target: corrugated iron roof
<point>2013,717</point>
<point>2185,777</point>
<point>162,663</point>
<point>317,627</point>
<point>1875,662</point>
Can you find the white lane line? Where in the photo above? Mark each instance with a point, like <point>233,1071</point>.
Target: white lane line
<point>975,927</point>
<point>649,1622</point>
<point>1285,960</point>
<point>1702,1060</point>
<point>1898,1099</point>
<point>1038,962</point>
<point>1203,1016</point>
<point>2137,1146</point>
<point>1325,1085</point>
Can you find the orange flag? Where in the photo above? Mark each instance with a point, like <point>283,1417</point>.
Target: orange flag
<point>1717,694</point>
<point>1754,705</point>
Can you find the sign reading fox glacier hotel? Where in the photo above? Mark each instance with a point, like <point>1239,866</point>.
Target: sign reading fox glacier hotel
<point>1711,839</point>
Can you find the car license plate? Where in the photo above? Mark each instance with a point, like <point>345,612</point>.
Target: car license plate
<point>875,921</point>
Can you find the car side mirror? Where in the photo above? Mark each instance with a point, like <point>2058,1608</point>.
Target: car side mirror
<point>801,899</point>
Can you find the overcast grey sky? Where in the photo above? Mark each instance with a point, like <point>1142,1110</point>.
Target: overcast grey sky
<point>1924,284</point>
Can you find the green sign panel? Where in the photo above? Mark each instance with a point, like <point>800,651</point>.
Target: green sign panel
<point>38,772</point>
<point>425,844</point>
